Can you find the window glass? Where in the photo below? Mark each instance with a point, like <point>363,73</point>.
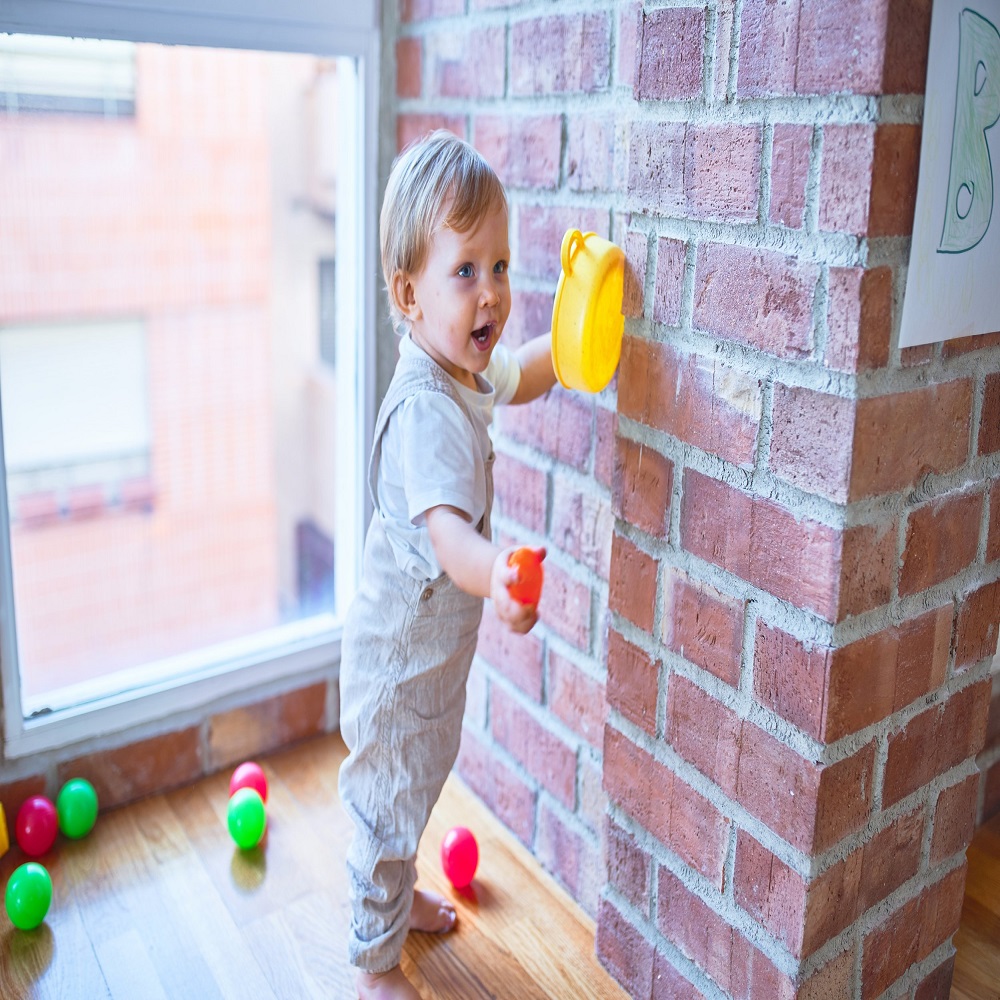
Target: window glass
<point>170,413</point>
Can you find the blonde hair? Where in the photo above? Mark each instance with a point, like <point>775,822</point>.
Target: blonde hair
<point>424,177</point>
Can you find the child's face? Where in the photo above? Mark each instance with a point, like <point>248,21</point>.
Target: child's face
<point>459,301</point>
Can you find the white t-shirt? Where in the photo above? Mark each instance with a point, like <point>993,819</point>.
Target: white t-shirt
<point>433,455</point>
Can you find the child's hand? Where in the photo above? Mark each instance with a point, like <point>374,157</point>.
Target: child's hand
<point>516,616</point>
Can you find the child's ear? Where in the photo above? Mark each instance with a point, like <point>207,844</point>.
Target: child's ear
<point>404,296</point>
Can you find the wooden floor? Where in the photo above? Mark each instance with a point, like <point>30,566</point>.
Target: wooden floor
<point>157,904</point>
<point>977,962</point>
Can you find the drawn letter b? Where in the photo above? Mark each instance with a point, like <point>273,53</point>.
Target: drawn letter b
<point>977,108</point>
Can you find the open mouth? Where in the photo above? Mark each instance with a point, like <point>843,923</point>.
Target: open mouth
<point>484,336</point>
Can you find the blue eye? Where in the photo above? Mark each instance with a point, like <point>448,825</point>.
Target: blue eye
<point>466,271</point>
<point>500,267</point>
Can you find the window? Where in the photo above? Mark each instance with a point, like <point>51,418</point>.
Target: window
<point>185,353</point>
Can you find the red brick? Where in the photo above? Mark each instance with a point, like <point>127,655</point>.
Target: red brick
<point>670,54</point>
<point>411,127</point>
<point>267,725</point>
<point>131,772</point>
<point>830,693</point>
<point>976,628</point>
<point>569,855</point>
<point>669,287</point>
<point>465,64</point>
<point>937,984</point>
<point>629,19</point>
<point>692,397</point>
<point>725,24</point>
<point>633,682</point>
<point>633,583</point>
<point>769,39</point>
<point>409,67</point>
<point>543,754</point>
<point>866,876</point>
<point>13,794</point>
<point>505,793</point>
<point>841,47</point>
<point>655,171</point>
<point>561,425</point>
<point>565,606</point>
<point>722,172</point>
<point>894,180</point>
<point>908,33</point>
<point>830,981</point>
<point>791,151</point>
<point>519,658</point>
<point>859,318</point>
<point>954,819</point>
<point>423,10</point>
<point>709,172</point>
<point>582,525</point>
<point>681,819</point>
<point>911,933</point>
<point>761,542</point>
<point>524,152</point>
<point>770,891</point>
<point>935,741</point>
<point>959,346</point>
<point>989,420</point>
<point>811,440</point>
<point>590,148</point>
<point>604,446</point>
<point>809,805</point>
<point>868,565</point>
<point>901,437</point>
<point>697,929</point>
<point>671,984</point>
<point>636,253</point>
<point>628,867</point>
<point>643,483</point>
<point>540,235</point>
<point>577,699</point>
<point>521,492</point>
<point>993,538</point>
<point>941,540</point>
<point>756,297</point>
<point>560,54</point>
<point>846,178</point>
<point>624,951</point>
<point>703,626</point>
<point>530,315</point>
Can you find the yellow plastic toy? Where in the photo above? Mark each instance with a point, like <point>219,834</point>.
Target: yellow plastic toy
<point>587,320</point>
<point>4,836</point>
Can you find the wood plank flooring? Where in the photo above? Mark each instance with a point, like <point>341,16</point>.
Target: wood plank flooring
<point>157,904</point>
<point>977,962</point>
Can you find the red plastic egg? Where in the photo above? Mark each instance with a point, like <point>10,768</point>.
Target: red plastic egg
<point>249,775</point>
<point>37,825</point>
<point>459,856</point>
<point>527,588</point>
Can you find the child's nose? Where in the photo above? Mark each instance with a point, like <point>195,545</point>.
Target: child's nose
<point>489,296</point>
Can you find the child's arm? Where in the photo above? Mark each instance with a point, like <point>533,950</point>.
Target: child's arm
<point>477,565</point>
<point>537,373</point>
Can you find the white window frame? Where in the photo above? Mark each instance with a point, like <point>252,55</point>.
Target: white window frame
<point>347,28</point>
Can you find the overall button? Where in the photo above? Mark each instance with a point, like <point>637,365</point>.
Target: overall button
<point>427,594</point>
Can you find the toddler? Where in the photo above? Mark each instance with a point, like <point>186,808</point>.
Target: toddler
<point>429,558</point>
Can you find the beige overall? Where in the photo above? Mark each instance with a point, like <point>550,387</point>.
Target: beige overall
<point>406,653</point>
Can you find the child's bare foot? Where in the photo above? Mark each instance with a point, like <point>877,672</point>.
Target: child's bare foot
<point>391,985</point>
<point>431,913</point>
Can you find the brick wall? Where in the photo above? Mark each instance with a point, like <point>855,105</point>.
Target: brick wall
<point>774,569</point>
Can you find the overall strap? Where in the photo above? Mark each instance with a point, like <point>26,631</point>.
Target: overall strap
<point>413,374</point>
